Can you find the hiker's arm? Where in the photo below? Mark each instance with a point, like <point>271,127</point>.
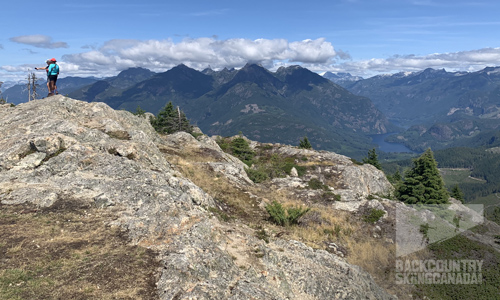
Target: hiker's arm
<point>41,68</point>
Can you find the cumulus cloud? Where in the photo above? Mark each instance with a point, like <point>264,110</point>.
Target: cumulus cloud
<point>39,41</point>
<point>203,52</point>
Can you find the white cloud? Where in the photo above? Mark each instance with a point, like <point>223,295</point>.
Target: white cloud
<point>317,55</point>
<point>472,60</point>
<point>202,52</point>
<point>39,41</point>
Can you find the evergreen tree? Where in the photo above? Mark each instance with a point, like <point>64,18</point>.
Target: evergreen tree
<point>304,143</point>
<point>397,176</point>
<point>184,124</point>
<point>423,183</point>
<point>241,149</point>
<point>372,159</point>
<point>139,111</point>
<point>494,215</point>
<point>2,100</point>
<point>170,120</point>
<point>457,193</point>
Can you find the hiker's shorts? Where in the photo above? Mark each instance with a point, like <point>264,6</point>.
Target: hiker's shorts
<point>52,78</point>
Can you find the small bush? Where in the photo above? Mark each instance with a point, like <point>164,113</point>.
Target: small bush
<point>219,214</point>
<point>262,235</point>
<point>223,143</point>
<point>374,215</point>
<point>316,184</point>
<point>282,217</point>
<point>330,196</point>
<point>196,134</point>
<point>256,176</point>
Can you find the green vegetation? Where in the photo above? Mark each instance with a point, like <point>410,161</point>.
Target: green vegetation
<point>316,184</point>
<point>373,215</point>
<point>305,144</point>
<point>170,120</point>
<point>458,248</point>
<point>284,217</point>
<point>458,176</point>
<point>241,149</point>
<point>257,175</point>
<point>424,230</point>
<point>220,214</point>
<point>2,100</point>
<point>139,111</point>
<point>494,215</point>
<point>423,183</point>
<point>372,159</point>
<point>262,163</point>
<point>268,166</point>
<point>475,170</point>
<point>262,234</point>
<point>395,178</point>
<point>457,193</point>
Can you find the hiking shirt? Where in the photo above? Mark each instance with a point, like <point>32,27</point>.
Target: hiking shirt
<point>53,69</point>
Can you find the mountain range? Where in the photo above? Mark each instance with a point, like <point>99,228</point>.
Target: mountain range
<point>280,107</point>
<point>439,109</point>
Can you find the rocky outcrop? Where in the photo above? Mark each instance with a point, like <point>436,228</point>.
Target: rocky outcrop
<point>351,181</point>
<point>61,150</point>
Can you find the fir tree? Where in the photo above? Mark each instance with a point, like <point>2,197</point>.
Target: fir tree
<point>457,193</point>
<point>170,120</point>
<point>423,183</point>
<point>2,100</point>
<point>184,124</point>
<point>372,159</point>
<point>241,149</point>
<point>304,143</point>
<point>397,176</point>
<point>139,111</point>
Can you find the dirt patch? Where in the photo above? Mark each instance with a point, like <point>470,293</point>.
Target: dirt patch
<point>67,252</point>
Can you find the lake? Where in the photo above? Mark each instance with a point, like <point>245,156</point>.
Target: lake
<point>389,147</point>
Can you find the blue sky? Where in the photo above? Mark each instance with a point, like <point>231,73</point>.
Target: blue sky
<point>362,37</point>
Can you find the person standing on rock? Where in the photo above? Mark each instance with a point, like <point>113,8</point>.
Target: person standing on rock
<point>46,68</point>
<point>53,72</point>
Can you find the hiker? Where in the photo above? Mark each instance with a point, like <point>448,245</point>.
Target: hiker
<point>47,71</point>
<point>53,72</point>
